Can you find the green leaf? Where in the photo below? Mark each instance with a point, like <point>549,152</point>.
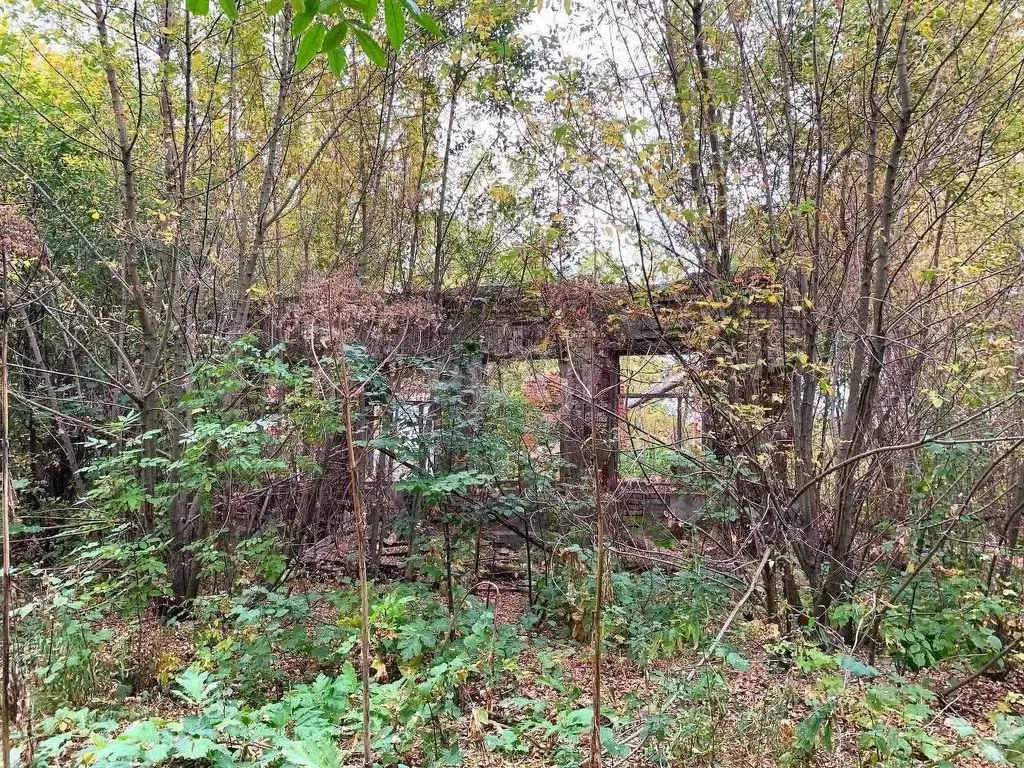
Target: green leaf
<point>370,47</point>
<point>312,754</point>
<point>309,46</point>
<point>334,37</point>
<point>578,718</point>
<point>195,685</point>
<point>120,750</point>
<point>991,752</point>
<point>194,749</point>
<point>857,668</point>
<point>451,756</point>
<point>228,6</point>
<point>366,8</point>
<point>157,754</point>
<point>274,7</point>
<point>198,7</point>
<point>428,23</point>
<point>394,21</point>
<point>300,22</point>
<point>424,20</point>
<point>337,60</point>
<point>737,662</point>
<point>961,726</point>
<point>142,731</point>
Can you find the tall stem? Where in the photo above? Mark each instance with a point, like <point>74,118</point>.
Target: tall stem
<point>596,760</point>
<point>5,456</point>
<point>359,514</point>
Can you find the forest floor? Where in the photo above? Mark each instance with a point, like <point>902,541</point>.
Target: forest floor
<point>753,725</point>
<point>765,703</point>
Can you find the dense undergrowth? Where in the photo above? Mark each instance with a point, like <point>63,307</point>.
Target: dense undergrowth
<point>261,667</point>
<point>266,675</point>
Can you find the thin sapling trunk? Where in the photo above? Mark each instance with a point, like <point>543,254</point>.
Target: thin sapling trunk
<point>359,515</point>
<point>596,760</point>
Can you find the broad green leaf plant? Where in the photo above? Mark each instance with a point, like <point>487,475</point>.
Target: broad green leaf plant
<point>323,26</point>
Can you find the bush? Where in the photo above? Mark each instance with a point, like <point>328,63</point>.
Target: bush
<point>650,615</point>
